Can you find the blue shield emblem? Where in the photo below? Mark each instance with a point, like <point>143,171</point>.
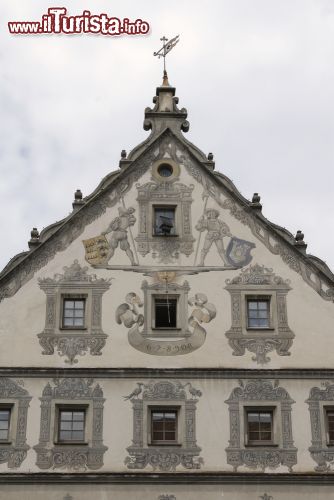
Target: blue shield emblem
<point>238,252</point>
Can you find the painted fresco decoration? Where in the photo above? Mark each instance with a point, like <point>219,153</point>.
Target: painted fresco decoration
<point>101,249</point>
<point>237,252</point>
<point>142,452</point>
<point>188,338</point>
<point>321,449</point>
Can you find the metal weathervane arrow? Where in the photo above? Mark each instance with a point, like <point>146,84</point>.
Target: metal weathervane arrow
<point>167,47</point>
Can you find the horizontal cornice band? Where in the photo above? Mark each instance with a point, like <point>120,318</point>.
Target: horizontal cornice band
<point>170,373</point>
<point>167,478</point>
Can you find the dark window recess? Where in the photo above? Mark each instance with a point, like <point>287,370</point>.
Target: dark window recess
<point>165,312</point>
<point>330,426</point>
<point>4,424</point>
<point>165,170</point>
<point>258,313</point>
<point>164,426</point>
<point>260,427</point>
<point>71,425</point>
<point>74,313</point>
<point>164,221</point>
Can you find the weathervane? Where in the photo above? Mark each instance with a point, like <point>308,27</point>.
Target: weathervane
<point>167,47</point>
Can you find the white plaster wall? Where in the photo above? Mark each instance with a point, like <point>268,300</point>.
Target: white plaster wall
<point>311,318</point>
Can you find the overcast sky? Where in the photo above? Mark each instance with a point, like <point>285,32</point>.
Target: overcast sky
<point>256,76</point>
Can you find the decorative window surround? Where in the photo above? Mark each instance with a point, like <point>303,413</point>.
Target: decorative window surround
<point>259,393</point>
<point>253,283</point>
<point>165,192</point>
<point>76,283</point>
<point>321,451</point>
<point>164,457</point>
<point>12,395</point>
<point>73,391</point>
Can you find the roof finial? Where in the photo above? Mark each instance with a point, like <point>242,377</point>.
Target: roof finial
<point>167,47</point>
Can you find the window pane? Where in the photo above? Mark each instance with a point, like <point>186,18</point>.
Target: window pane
<point>69,304</point>
<point>66,415</point>
<point>3,435</point>
<point>164,221</point>
<point>79,304</point>
<point>170,436</point>
<point>65,435</point>
<point>266,436</point>
<point>165,312</point>
<point>78,435</point>
<point>78,426</point>
<point>78,322</point>
<point>4,414</point>
<point>78,415</point>
<point>157,416</point>
<point>66,426</point>
<point>68,322</point>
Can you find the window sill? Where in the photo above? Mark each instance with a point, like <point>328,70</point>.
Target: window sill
<point>165,235</point>
<point>5,443</point>
<point>262,445</point>
<point>165,328</point>
<point>172,445</point>
<point>71,443</point>
<point>73,328</point>
<point>259,329</point>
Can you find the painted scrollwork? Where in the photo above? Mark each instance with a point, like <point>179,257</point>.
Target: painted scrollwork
<point>73,391</point>
<point>259,281</point>
<point>259,391</point>
<point>321,451</point>
<point>14,452</point>
<point>164,458</point>
<point>72,343</point>
<point>190,335</point>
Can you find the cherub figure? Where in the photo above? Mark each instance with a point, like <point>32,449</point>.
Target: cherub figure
<point>216,231</point>
<point>119,235</point>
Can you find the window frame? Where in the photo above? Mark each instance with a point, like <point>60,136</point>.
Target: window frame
<point>73,297</point>
<point>165,409</point>
<point>327,409</point>
<point>274,431</point>
<point>165,206</point>
<point>11,409</point>
<point>260,298</point>
<point>156,290</point>
<point>154,320</point>
<point>70,407</point>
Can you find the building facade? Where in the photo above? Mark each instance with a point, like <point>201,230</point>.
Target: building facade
<point>165,341</point>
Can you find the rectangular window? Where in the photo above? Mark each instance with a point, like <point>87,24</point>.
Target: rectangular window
<point>164,221</point>
<point>4,424</point>
<point>330,426</point>
<point>71,426</point>
<point>73,313</point>
<point>260,427</point>
<point>164,426</point>
<point>165,312</point>
<point>258,313</point>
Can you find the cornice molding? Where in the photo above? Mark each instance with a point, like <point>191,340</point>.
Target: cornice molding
<point>168,373</point>
<point>168,478</point>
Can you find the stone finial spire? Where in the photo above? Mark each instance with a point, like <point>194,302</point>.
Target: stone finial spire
<point>34,240</point>
<point>78,201</point>
<point>299,241</point>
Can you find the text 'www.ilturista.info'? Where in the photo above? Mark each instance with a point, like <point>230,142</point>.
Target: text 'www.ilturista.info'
<point>56,21</point>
